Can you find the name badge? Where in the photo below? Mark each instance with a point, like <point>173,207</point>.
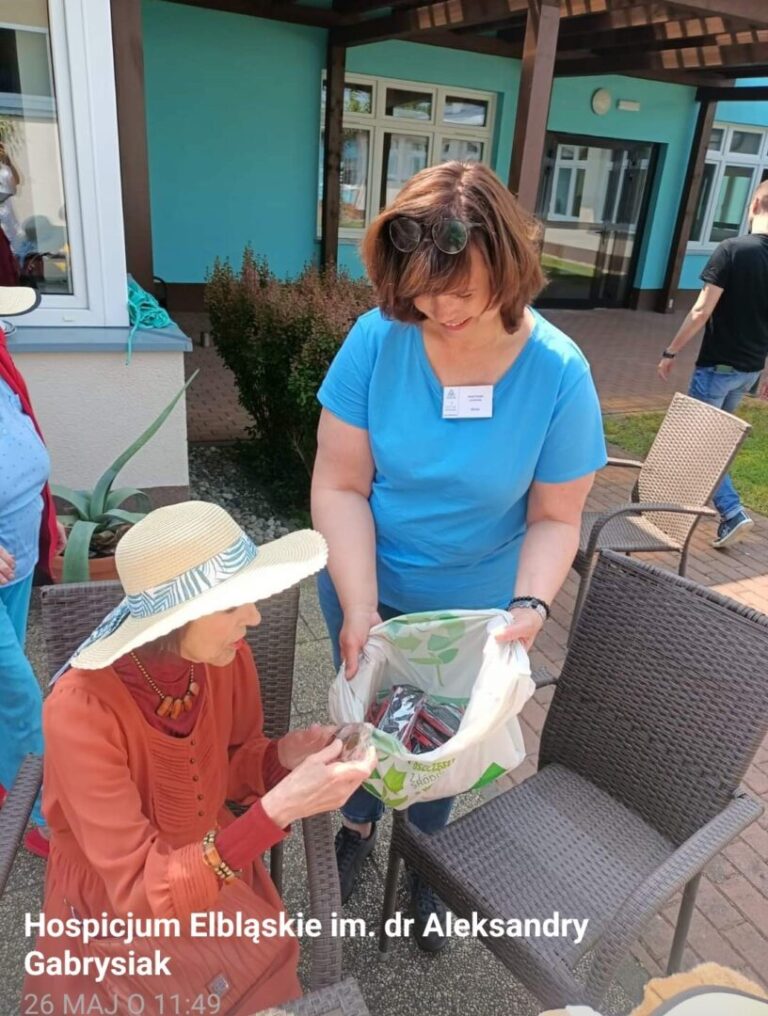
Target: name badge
<point>468,402</point>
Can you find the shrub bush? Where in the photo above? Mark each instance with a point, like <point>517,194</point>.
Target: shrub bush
<point>278,337</point>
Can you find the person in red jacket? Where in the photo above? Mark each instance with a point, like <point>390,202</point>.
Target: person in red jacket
<point>30,535</point>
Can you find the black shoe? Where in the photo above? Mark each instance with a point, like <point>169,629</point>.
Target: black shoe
<point>351,852</point>
<point>426,904</point>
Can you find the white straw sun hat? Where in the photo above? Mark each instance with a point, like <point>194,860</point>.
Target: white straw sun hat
<point>17,300</point>
<point>184,562</point>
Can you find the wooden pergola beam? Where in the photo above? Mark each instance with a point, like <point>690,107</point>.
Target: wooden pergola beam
<point>330,215</point>
<point>357,9</point>
<point>539,53</point>
<point>715,93</point>
<point>128,48</point>
<point>687,208</point>
<point>317,17</point>
<point>751,12</point>
<point>649,39</point>
<point>690,79</point>
<point>724,56</point>
<point>443,15</point>
<point>617,29</point>
<point>488,45</point>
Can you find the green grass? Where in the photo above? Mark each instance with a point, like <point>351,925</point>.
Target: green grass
<point>564,266</point>
<point>635,433</point>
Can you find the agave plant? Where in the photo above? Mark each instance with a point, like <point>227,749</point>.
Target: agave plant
<point>96,519</point>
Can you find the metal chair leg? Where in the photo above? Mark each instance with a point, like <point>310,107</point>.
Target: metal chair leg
<point>276,859</point>
<point>683,561</point>
<point>390,897</point>
<point>683,925</point>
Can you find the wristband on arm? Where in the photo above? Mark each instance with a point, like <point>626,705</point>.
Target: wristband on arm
<point>541,608</point>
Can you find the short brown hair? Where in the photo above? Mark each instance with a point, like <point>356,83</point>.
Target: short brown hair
<point>507,238</point>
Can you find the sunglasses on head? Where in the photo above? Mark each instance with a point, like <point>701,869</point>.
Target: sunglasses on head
<point>450,236</point>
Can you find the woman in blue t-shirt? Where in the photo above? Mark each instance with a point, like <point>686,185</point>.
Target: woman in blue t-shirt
<point>458,441</point>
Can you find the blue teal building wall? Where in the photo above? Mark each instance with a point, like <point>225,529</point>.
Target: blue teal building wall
<point>232,122</point>
<point>233,109</point>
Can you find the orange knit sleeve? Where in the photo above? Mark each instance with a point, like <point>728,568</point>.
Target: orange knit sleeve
<point>89,786</point>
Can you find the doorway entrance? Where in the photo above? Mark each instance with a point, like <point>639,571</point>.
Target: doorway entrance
<point>593,203</point>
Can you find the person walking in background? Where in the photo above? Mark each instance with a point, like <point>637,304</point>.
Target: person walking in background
<point>733,305</point>
<point>29,536</point>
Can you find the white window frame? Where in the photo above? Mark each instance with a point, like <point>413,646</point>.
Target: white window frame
<point>574,165</point>
<point>377,122</point>
<point>722,159</point>
<point>85,105</point>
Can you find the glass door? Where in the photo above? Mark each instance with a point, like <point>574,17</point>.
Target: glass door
<point>592,203</point>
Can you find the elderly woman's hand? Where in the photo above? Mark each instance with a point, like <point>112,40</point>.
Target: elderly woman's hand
<point>526,625</point>
<point>297,745</point>
<point>320,783</point>
<point>7,567</point>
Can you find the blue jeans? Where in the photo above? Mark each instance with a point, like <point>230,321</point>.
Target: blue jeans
<point>21,701</point>
<point>364,807</point>
<point>726,392</point>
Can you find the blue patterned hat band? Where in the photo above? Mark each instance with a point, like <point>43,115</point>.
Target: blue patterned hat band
<point>194,581</point>
<point>181,589</point>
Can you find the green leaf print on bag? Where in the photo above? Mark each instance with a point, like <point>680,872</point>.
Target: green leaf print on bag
<point>440,645</point>
<point>394,780</point>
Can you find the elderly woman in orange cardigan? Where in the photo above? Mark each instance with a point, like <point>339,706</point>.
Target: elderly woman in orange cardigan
<point>156,726</point>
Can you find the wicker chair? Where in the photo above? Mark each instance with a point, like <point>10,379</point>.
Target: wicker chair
<point>690,455</point>
<point>70,613</point>
<point>341,1000</point>
<point>660,707</point>
<point>16,811</point>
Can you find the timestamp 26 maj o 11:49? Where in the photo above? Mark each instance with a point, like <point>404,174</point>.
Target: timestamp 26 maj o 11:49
<point>86,1004</point>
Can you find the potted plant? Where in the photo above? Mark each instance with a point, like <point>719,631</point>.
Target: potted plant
<point>95,520</point>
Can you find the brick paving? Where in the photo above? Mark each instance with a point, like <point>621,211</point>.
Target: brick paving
<point>622,346</point>
<point>214,413</point>
<point>731,920</point>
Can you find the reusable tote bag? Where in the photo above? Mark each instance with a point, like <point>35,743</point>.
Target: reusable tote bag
<point>452,656</point>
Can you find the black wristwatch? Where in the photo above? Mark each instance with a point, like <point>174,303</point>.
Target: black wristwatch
<point>533,602</point>
<point>666,355</point>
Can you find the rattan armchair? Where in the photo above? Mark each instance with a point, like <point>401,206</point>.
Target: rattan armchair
<point>660,707</point>
<point>342,999</point>
<point>70,613</point>
<point>690,455</point>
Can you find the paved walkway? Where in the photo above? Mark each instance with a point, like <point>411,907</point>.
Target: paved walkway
<point>622,346</point>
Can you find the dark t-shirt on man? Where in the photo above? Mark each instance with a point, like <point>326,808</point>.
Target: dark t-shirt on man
<point>737,332</point>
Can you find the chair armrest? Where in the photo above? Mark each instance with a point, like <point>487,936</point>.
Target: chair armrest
<point>639,508</point>
<point>648,898</point>
<point>341,1000</point>
<point>543,678</point>
<point>630,463</point>
<point>16,811</point>
<point>324,899</point>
